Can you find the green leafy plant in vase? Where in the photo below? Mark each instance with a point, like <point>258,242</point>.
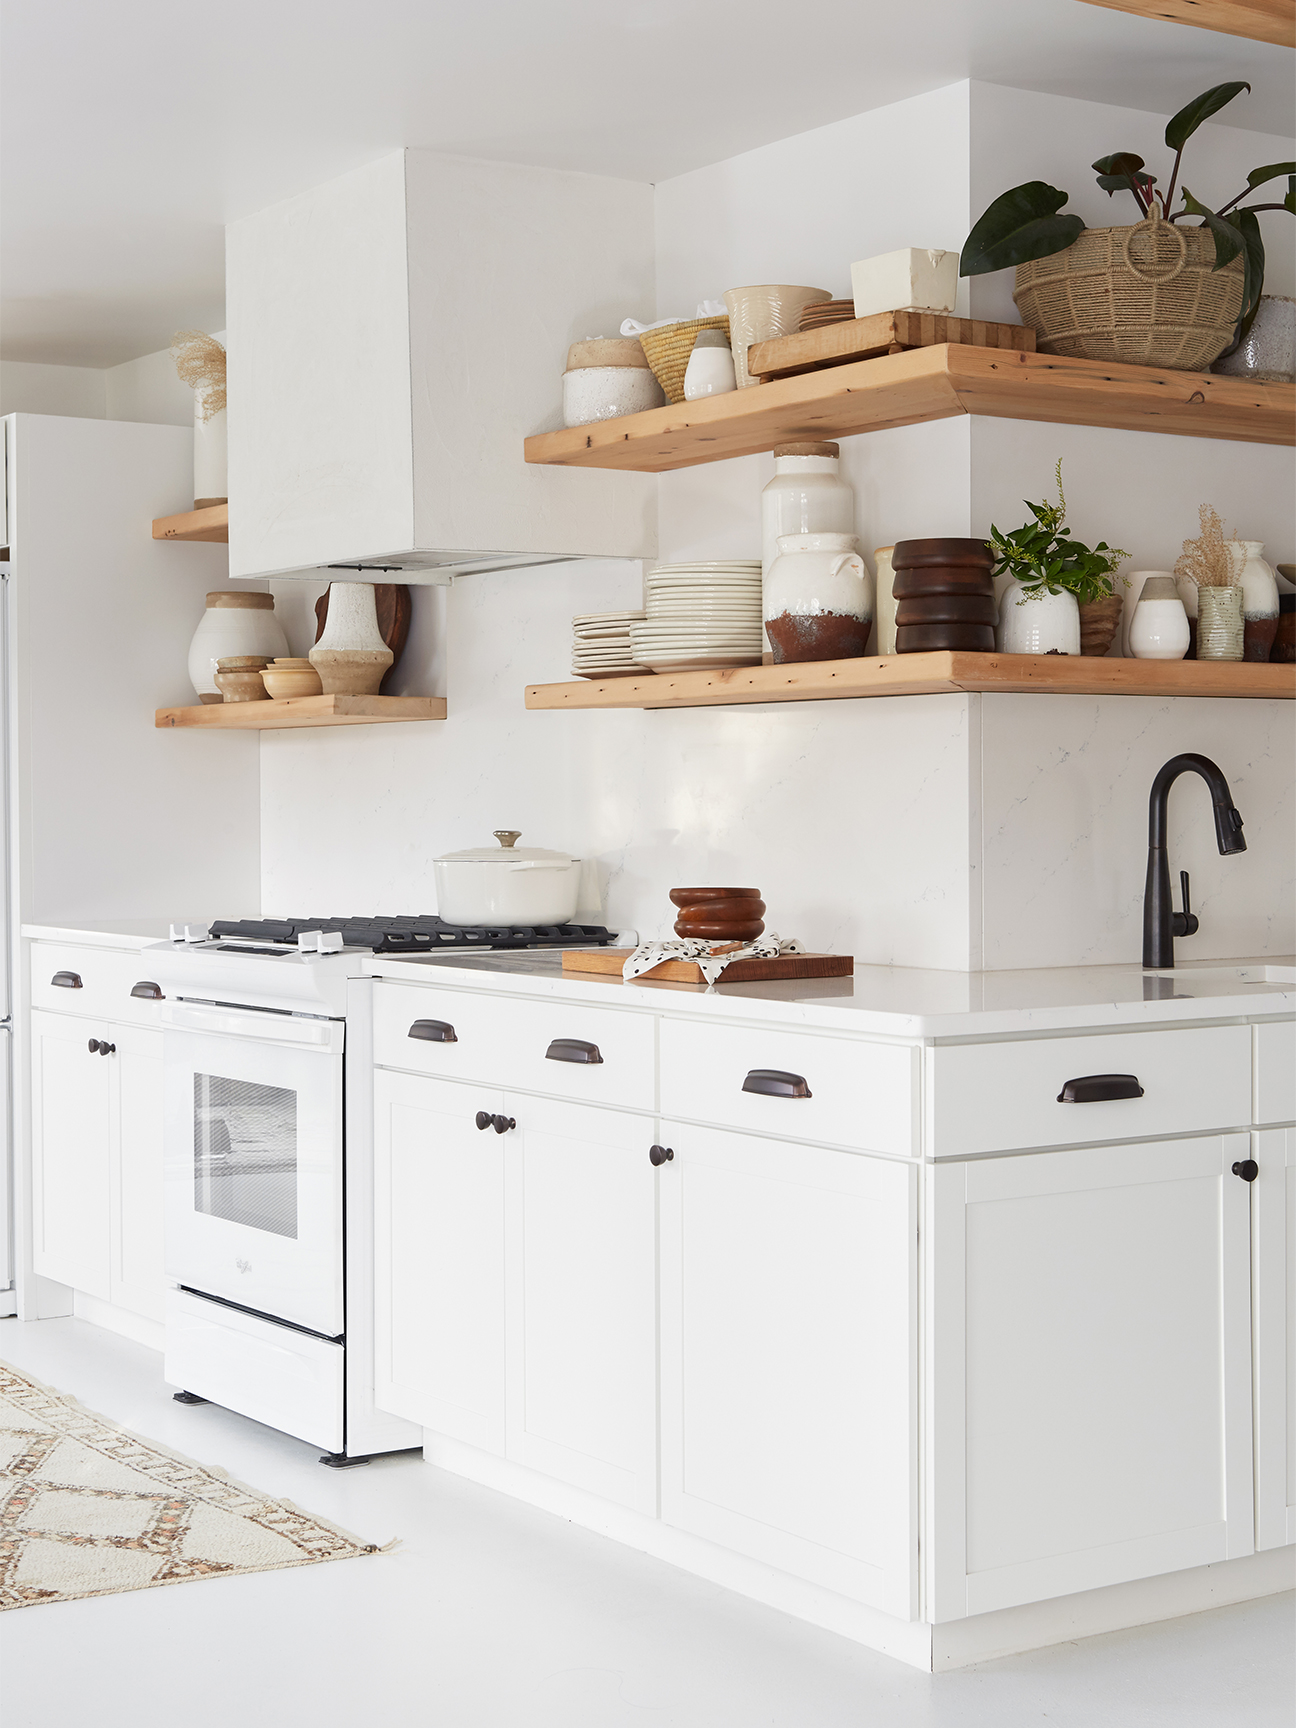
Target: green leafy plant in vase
<point>1077,583</point>
<point>1154,293</point>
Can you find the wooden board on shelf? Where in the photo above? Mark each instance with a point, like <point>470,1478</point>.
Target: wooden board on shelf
<point>928,384</point>
<point>211,524</point>
<point>303,711</point>
<point>883,333</point>
<point>611,960</point>
<point>1258,20</point>
<point>921,674</point>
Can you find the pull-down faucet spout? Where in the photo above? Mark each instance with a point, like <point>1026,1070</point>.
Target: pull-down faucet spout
<point>1161,923</point>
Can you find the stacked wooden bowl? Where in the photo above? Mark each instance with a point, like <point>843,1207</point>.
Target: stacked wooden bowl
<point>945,596</point>
<point>719,914</point>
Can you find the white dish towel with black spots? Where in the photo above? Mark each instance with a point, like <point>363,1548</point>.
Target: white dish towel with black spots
<point>650,954</point>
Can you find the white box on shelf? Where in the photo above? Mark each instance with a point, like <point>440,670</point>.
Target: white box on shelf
<point>911,280</point>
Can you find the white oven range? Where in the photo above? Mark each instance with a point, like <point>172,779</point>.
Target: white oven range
<point>268,1186</point>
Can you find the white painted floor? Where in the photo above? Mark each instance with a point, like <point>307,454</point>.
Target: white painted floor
<point>492,1614</point>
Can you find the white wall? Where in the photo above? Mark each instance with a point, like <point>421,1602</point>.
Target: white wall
<point>945,831</point>
<point>27,387</point>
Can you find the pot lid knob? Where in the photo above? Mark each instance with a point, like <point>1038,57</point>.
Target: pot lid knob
<point>507,837</point>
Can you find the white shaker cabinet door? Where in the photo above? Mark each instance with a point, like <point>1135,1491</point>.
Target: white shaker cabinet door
<point>1274,1224</point>
<point>136,1204</point>
<point>581,1284</point>
<point>70,1151</point>
<point>1089,1354</point>
<point>789,1358</point>
<point>439,1257</point>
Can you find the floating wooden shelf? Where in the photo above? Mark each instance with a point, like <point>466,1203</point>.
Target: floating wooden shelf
<point>920,675</point>
<point>1258,20</point>
<point>928,384</point>
<point>211,524</point>
<point>304,711</point>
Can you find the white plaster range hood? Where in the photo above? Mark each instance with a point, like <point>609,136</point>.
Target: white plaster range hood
<point>393,337</point>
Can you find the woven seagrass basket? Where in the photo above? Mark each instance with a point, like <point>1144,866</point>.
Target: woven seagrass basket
<point>1149,295</point>
<point>668,351</point>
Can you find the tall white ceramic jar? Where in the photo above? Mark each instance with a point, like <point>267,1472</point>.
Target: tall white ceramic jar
<point>211,457</point>
<point>886,602</point>
<point>1037,622</point>
<point>1259,588</point>
<point>235,622</point>
<point>806,496</point>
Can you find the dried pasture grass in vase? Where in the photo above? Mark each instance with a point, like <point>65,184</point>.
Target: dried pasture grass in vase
<point>200,363</point>
<point>1207,560</point>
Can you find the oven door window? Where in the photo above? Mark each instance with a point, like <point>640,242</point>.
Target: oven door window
<point>245,1153</point>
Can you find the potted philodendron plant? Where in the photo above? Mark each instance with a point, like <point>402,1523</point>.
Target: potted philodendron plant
<point>1155,293</point>
<point>1062,597</point>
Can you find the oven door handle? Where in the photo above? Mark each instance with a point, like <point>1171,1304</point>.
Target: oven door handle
<point>255,1026</point>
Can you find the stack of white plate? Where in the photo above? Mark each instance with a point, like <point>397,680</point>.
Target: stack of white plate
<point>601,645</point>
<point>700,615</point>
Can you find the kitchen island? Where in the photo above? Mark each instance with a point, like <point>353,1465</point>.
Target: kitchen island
<point>919,1304</point>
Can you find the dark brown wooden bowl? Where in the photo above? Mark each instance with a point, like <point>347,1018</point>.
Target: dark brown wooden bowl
<point>948,609</point>
<point>709,930</point>
<point>697,896</point>
<point>947,638</point>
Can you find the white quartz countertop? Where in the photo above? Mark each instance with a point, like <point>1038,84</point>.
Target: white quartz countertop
<point>901,1001</point>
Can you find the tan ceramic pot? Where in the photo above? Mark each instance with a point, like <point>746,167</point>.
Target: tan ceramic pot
<point>1099,622</point>
<point>241,686</point>
<point>283,681</point>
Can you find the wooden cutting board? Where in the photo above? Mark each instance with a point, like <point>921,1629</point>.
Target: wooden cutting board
<point>884,333</point>
<point>611,960</point>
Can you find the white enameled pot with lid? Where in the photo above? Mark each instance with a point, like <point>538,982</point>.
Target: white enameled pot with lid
<point>508,884</point>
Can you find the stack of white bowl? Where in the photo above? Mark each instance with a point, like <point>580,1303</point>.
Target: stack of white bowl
<point>601,645</point>
<point>700,615</point>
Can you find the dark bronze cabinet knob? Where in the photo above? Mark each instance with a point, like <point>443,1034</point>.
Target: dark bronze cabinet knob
<point>659,1155</point>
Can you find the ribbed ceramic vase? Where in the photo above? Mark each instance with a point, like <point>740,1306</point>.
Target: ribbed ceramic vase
<point>1219,623</point>
<point>351,656</point>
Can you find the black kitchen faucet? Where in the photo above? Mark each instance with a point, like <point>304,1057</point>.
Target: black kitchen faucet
<point>1161,923</point>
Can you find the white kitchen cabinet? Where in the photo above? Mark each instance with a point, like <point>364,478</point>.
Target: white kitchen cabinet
<point>516,1279</point>
<point>71,1135</point>
<point>97,1158</point>
<point>439,1257</point>
<point>789,1358</point>
<point>581,1296</point>
<point>1274,1249</point>
<point>1088,1370</point>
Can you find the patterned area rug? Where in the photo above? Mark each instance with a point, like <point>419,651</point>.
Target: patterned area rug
<point>87,1509</point>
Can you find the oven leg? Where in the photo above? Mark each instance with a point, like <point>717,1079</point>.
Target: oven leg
<point>188,1398</point>
<point>340,1461</point>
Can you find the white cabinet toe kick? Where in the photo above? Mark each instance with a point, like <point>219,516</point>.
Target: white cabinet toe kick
<point>912,1339</point>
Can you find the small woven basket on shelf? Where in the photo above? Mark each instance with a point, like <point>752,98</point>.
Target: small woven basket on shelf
<point>668,351</point>
<point>1148,295</point>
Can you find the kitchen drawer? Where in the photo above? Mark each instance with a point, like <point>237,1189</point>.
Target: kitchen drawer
<point>858,1094</point>
<point>1275,1072</point>
<point>289,1380</point>
<point>105,977</point>
<point>504,1042</point>
<point>1000,1097</point>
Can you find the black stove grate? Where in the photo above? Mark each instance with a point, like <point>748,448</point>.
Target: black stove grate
<point>413,935</point>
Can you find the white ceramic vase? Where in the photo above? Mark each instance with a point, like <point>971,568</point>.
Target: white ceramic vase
<point>1135,580</point>
<point>351,656</point>
<point>1037,622</point>
<point>818,599</point>
<point>211,460</point>
<point>1159,628</point>
<point>235,622</point>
